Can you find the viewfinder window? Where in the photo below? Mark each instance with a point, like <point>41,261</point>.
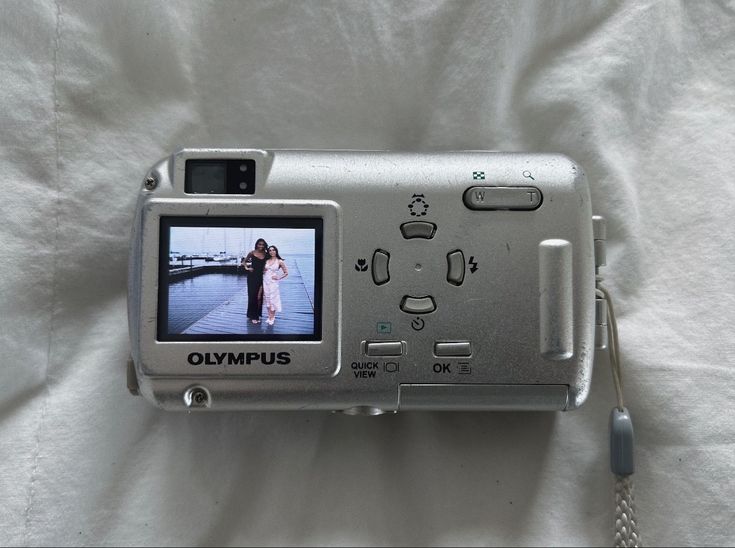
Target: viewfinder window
<point>220,177</point>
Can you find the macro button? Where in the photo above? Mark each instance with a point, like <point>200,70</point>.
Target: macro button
<point>380,267</point>
<point>455,272</point>
<point>384,348</point>
<point>460,349</point>
<point>418,305</point>
<point>418,229</point>
<point>502,197</point>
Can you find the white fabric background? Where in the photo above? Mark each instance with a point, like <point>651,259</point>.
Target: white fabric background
<point>91,94</point>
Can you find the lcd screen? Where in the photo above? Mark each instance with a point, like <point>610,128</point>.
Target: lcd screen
<point>240,278</point>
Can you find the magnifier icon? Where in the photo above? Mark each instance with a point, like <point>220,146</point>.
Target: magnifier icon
<point>527,175</point>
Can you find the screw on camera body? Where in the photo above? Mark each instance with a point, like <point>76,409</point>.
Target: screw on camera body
<point>150,182</point>
<point>196,397</point>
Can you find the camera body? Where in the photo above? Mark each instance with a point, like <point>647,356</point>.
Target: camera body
<point>400,281</point>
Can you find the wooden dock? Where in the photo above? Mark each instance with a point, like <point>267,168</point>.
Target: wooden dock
<point>230,318</point>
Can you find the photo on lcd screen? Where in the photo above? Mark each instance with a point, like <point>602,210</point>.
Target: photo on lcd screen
<point>240,279</point>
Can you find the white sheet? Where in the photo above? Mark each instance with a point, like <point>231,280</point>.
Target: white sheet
<point>641,94</point>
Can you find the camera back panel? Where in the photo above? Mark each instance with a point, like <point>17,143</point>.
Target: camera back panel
<point>447,281</point>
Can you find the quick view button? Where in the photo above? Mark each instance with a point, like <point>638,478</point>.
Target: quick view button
<point>502,197</point>
<point>384,348</point>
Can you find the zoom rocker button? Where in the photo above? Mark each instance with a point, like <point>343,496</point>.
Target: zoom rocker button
<point>459,349</point>
<point>380,267</point>
<point>502,197</point>
<point>418,305</point>
<point>455,263</point>
<point>384,348</point>
<point>418,229</point>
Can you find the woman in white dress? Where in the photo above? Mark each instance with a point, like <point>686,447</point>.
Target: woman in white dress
<point>275,270</point>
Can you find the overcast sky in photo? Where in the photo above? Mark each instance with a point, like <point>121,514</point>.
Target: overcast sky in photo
<point>194,240</point>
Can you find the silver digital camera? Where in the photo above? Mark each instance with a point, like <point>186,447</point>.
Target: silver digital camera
<point>363,282</point>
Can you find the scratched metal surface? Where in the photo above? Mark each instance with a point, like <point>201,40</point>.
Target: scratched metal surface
<point>639,93</point>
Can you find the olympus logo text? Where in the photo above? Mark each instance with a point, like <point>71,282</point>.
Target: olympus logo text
<point>241,358</point>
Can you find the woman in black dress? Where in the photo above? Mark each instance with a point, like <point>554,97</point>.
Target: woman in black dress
<point>254,263</point>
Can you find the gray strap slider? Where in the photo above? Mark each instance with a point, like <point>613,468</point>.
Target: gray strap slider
<point>621,442</point>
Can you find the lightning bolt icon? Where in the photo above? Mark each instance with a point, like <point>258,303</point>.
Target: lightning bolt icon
<point>473,264</point>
